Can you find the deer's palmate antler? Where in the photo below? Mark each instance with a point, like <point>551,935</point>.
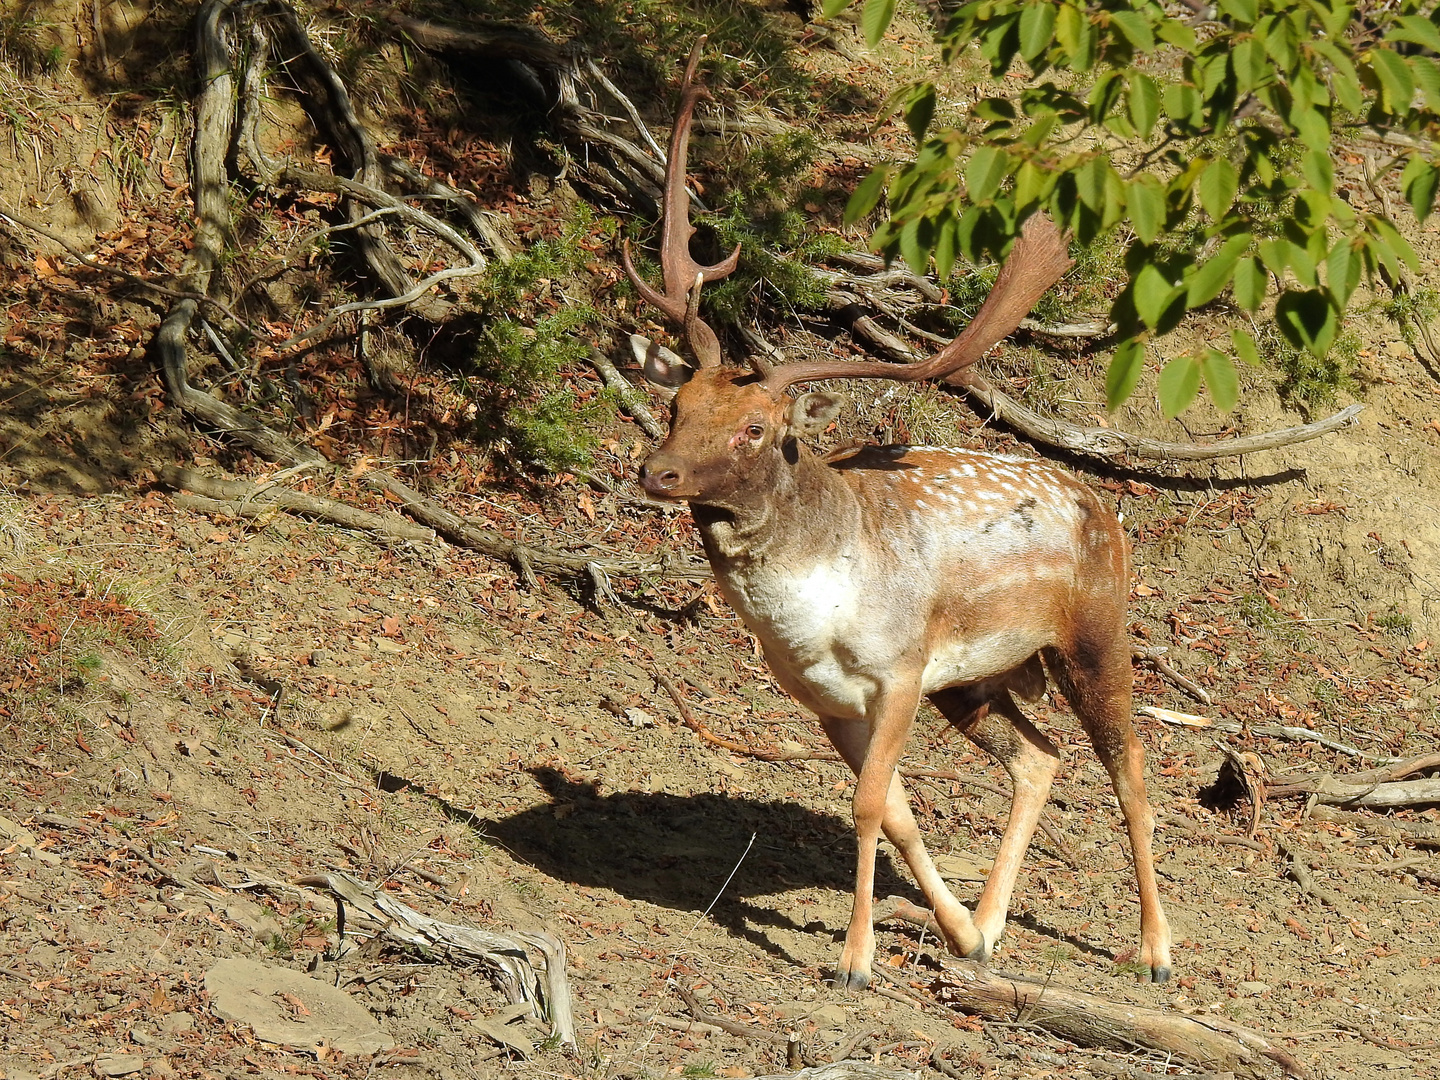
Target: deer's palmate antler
<point>904,572</point>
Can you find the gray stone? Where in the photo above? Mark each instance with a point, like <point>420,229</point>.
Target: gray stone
<point>290,1009</point>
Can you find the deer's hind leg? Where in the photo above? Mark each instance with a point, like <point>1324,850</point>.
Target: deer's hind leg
<point>1095,675</point>
<point>988,716</point>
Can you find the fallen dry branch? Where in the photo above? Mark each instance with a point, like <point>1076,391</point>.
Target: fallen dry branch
<point>844,1070</point>
<point>244,499</point>
<point>526,557</point>
<point>1294,734</point>
<point>1418,833</point>
<point>1109,443</point>
<point>1106,443</point>
<point>1094,1021</point>
<point>631,399</point>
<point>213,495</point>
<point>1377,789</point>
<point>503,956</point>
<point>695,724</point>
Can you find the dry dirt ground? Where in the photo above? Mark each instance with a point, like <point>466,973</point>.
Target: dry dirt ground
<point>194,708</point>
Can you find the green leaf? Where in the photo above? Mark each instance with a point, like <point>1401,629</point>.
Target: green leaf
<point>831,8</point>
<point>1419,182</point>
<point>1426,70</point>
<point>866,195</point>
<point>1182,104</point>
<point>1136,29</point>
<point>1249,284</point>
<point>1179,383</point>
<point>984,172</point>
<point>1245,347</point>
<point>946,242</point>
<point>1319,170</point>
<point>1146,201</point>
<point>1241,11</point>
<point>1417,29</point>
<point>1218,185</point>
<point>1396,243</point>
<point>1342,270</point>
<point>1104,95</point>
<point>1032,184</point>
<point>1124,372</point>
<point>1090,182</point>
<point>1215,272</point>
<point>1397,83</point>
<point>1220,378</point>
<point>1144,103</point>
<point>1037,29</point>
<point>1174,32</point>
<point>1152,293</point>
<point>1076,35</point>
<point>915,252</point>
<point>1344,80</point>
<point>875,19</point>
<point>920,109</point>
<point>1308,320</point>
<point>1312,126</point>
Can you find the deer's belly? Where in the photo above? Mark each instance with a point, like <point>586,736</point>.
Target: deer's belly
<point>981,656</point>
<point>838,652</point>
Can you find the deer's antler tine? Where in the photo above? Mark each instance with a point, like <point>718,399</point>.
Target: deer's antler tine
<point>1038,260</point>
<point>683,275</point>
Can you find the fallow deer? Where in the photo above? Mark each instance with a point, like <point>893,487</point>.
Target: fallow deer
<point>899,573</point>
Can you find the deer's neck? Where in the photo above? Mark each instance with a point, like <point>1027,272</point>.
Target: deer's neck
<point>797,512</point>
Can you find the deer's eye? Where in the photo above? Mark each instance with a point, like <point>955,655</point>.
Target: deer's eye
<point>756,432</point>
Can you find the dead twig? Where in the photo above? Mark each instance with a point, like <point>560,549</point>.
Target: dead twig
<point>688,717</point>
<point>735,1027</point>
<point>1155,657</point>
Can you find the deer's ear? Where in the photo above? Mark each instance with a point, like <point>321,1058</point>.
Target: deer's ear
<point>812,413</point>
<point>661,366</point>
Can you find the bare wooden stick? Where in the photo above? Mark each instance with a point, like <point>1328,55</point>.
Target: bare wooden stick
<point>1155,657</point>
<point>631,399</point>
<point>1094,1021</point>
<point>1419,833</point>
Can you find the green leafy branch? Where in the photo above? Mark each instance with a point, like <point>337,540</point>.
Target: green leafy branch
<point>1213,138</point>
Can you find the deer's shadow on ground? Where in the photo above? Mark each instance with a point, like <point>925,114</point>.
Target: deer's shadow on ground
<point>677,851</point>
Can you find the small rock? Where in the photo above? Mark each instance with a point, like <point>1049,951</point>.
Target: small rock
<point>291,1009</point>
<point>830,1017</point>
<point>118,1064</point>
<point>1397,349</point>
<point>179,1022</point>
<point>1254,989</point>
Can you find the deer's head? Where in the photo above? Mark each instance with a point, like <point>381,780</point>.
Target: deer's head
<point>729,430</point>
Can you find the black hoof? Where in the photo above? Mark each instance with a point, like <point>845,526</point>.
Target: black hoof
<point>850,980</point>
<point>1160,975</point>
<point>980,954</point>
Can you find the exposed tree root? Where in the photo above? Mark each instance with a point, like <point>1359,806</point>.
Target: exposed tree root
<point>243,499</point>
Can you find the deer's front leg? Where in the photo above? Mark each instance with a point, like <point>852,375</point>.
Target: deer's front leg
<point>880,802</point>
